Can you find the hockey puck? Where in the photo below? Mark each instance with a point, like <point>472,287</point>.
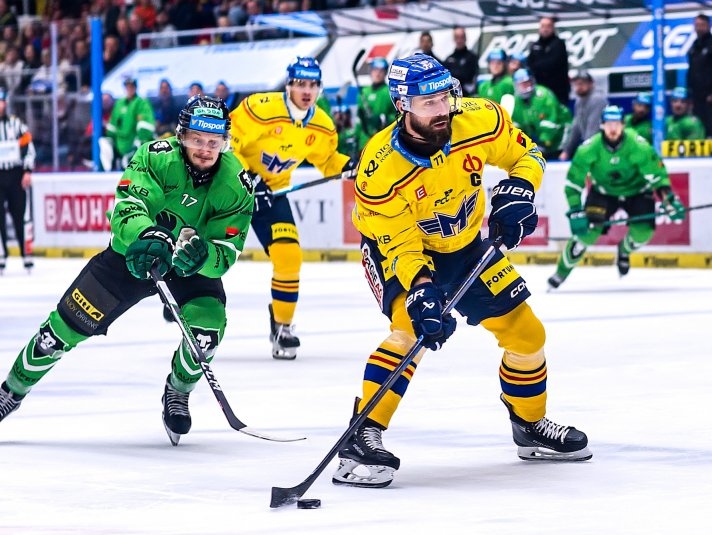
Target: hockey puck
<point>312,503</point>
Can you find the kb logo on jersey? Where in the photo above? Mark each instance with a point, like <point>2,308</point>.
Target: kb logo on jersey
<point>449,225</point>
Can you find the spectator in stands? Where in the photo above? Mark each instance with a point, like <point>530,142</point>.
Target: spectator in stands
<point>680,124</point>
<point>587,114</point>
<point>112,54</point>
<point>126,36</point>
<point>463,63</point>
<point>166,110</point>
<point>538,113</point>
<point>548,61</point>
<point>7,17</point>
<point>147,12</point>
<point>518,60</point>
<point>500,82</point>
<point>196,88</point>
<point>131,125</point>
<point>80,150</point>
<point>640,120</point>
<point>163,36</point>
<point>82,61</point>
<point>699,73</point>
<point>225,37</point>
<point>182,15</point>
<point>11,71</point>
<point>426,45</point>
<point>10,36</point>
<point>222,91</point>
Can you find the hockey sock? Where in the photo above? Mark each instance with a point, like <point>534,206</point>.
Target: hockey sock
<point>287,262</point>
<point>42,352</point>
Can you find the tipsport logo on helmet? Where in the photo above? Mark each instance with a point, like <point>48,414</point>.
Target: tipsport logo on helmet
<point>433,86</point>
<point>207,124</point>
<point>306,74</point>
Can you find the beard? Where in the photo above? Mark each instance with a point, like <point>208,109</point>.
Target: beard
<point>437,137</point>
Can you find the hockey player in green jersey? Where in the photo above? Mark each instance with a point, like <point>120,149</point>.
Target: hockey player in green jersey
<point>639,120</point>
<point>625,172</point>
<point>501,82</point>
<point>539,113</point>
<point>680,124</point>
<point>375,110</point>
<point>185,204</point>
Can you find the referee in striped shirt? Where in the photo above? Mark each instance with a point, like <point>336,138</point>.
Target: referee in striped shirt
<point>17,159</point>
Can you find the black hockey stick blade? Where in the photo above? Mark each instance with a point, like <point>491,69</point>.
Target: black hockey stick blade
<point>199,356</point>
<point>354,67</point>
<point>285,496</point>
<point>303,185</point>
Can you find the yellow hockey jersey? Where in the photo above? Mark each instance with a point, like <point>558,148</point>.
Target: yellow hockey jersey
<point>269,142</point>
<point>407,208</point>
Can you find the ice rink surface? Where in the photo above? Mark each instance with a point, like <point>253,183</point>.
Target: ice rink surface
<point>629,363</point>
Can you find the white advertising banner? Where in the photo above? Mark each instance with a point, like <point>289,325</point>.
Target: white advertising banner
<point>70,211</point>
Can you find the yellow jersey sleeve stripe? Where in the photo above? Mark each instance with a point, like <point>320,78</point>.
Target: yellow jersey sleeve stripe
<point>392,191</point>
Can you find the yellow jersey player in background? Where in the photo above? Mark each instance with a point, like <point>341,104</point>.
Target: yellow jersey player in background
<point>272,133</point>
<point>419,208</point>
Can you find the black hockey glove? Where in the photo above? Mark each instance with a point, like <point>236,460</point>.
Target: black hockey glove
<point>190,254</point>
<point>513,213</point>
<point>154,243</point>
<point>263,194</point>
<point>349,170</point>
<point>671,203</point>
<point>425,304</point>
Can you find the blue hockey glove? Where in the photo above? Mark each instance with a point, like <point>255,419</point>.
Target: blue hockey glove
<point>513,213</point>
<point>154,243</point>
<point>578,221</point>
<point>671,203</point>
<point>190,254</point>
<point>425,304</point>
<point>349,170</point>
<point>263,194</point>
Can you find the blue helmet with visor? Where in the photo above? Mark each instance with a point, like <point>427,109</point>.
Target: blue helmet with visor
<point>421,75</point>
<point>304,68</point>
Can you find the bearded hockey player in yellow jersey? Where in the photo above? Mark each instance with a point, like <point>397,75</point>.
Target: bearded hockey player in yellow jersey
<point>419,207</point>
<point>272,133</point>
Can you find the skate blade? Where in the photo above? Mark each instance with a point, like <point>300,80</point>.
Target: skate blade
<point>283,353</point>
<point>172,436</point>
<point>354,474</point>
<point>542,454</point>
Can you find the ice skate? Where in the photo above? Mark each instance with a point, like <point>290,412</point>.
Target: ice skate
<point>176,416</point>
<point>622,261</point>
<point>284,341</point>
<point>555,281</point>
<point>2,265</point>
<point>364,462</point>
<point>544,440</point>
<point>9,401</point>
<point>28,263</point>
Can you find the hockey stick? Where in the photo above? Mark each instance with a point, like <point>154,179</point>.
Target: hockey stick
<point>354,68</point>
<point>284,496</point>
<point>297,187</point>
<point>199,356</point>
<point>28,224</point>
<point>508,102</point>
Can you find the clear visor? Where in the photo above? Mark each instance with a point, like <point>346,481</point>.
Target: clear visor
<point>435,104</point>
<point>193,139</point>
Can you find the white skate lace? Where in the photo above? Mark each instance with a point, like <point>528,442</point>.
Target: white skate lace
<point>177,402</point>
<point>372,438</point>
<point>7,403</point>
<point>551,430</point>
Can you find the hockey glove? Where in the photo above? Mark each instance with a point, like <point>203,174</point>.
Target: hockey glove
<point>671,203</point>
<point>154,243</point>
<point>513,213</point>
<point>349,170</point>
<point>425,304</point>
<point>578,221</point>
<point>190,254</point>
<point>263,194</point>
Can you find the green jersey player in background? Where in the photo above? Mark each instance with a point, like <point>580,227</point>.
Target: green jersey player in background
<point>183,203</point>
<point>625,172</point>
<point>375,110</point>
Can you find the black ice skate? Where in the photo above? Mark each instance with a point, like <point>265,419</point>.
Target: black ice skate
<point>28,262</point>
<point>2,264</point>
<point>622,261</point>
<point>555,281</point>
<point>284,341</point>
<point>544,440</point>
<point>9,401</point>
<point>176,417</point>
<point>364,462</point>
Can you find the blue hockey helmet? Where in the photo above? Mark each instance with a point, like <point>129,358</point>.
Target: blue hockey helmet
<point>644,98</point>
<point>379,63</point>
<point>497,54</point>
<point>419,75</point>
<point>523,83</point>
<point>304,68</point>
<point>611,113</point>
<point>679,93</point>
